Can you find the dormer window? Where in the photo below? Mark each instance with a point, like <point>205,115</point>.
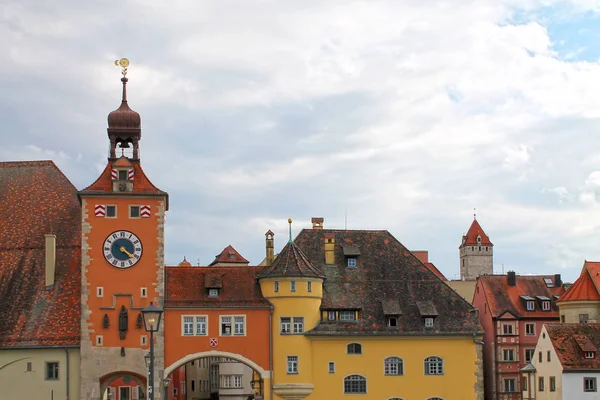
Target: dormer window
<point>351,253</point>
<point>331,315</point>
<point>392,322</point>
<point>529,303</point>
<point>347,316</point>
<point>213,292</point>
<point>352,262</point>
<point>546,305</point>
<point>589,354</point>
<point>428,322</point>
<point>530,306</point>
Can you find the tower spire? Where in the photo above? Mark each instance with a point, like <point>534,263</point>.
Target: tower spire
<point>474,214</point>
<point>290,223</point>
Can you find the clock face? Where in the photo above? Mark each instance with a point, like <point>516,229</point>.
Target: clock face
<point>122,249</point>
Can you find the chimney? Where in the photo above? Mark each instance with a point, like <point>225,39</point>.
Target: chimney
<point>329,248</point>
<point>50,244</point>
<point>557,280</point>
<point>422,255</point>
<point>317,223</point>
<point>511,278</point>
<point>270,248</point>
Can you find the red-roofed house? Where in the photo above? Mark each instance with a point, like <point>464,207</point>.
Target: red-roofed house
<point>567,362</point>
<point>512,311</point>
<point>581,303</point>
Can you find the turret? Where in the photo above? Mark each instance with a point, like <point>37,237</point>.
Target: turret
<point>476,253</point>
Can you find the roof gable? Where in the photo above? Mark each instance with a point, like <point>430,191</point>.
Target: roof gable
<point>471,237</point>
<point>229,256</point>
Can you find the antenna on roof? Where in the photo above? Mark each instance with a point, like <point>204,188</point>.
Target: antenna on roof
<point>198,262</point>
<point>474,214</point>
<point>290,222</point>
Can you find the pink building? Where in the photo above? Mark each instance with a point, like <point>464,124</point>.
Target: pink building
<point>512,311</point>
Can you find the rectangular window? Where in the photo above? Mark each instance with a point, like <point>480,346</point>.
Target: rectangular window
<point>188,326</point>
<point>583,318</point>
<point>428,322</point>
<point>590,385</point>
<point>552,384</point>
<point>99,291</point>
<point>29,367</point>
<point>298,324</point>
<point>111,211</point>
<point>331,315</point>
<point>548,357</point>
<point>524,386</point>
<point>508,355</point>
<point>193,385</point>
<point>589,354</point>
<point>530,329</point>
<point>546,305</point>
<point>352,262</point>
<point>143,340</point>
<point>239,325</point>
<point>507,329</point>
<point>331,367</point>
<point>237,381</point>
<point>276,286</point>
<point>122,175</point>
<point>286,325</point>
<point>541,384</point>
<point>347,316</point>
<point>200,326</point>
<point>134,211</point>
<point>530,306</point>
<point>99,340</point>
<point>529,354</point>
<point>540,357</point>
<point>144,292</point>
<point>309,286</point>
<point>213,292</point>
<point>292,286</point>
<point>292,364</point>
<point>392,322</point>
<point>194,325</point>
<point>51,371</point>
<point>225,326</point>
<point>509,385</point>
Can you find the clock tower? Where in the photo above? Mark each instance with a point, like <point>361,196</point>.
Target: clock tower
<point>122,266</point>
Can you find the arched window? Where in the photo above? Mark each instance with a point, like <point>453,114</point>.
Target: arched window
<point>355,384</point>
<point>393,366</point>
<point>434,366</point>
<point>354,348</point>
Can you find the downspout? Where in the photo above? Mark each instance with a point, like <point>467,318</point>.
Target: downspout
<point>68,373</point>
<point>271,353</point>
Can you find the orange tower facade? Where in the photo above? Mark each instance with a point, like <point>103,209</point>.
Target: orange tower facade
<point>123,216</point>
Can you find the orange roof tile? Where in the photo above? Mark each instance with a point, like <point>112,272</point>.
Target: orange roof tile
<point>582,289</point>
<point>470,239</point>
<point>594,268</point>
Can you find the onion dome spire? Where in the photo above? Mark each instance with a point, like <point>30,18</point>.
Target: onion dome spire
<point>124,124</point>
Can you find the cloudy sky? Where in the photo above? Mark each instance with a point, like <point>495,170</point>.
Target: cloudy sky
<point>403,115</point>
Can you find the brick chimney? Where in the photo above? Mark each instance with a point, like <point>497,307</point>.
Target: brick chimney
<point>422,255</point>
<point>317,222</point>
<point>270,248</point>
<point>50,245</point>
<point>557,280</point>
<point>511,278</point>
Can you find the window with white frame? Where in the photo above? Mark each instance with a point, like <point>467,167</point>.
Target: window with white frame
<point>298,324</point>
<point>225,381</point>
<point>225,326</point>
<point>331,315</point>
<point>239,325</point>
<point>347,315</point>
<point>237,381</point>
<point>589,354</point>
<point>292,364</point>
<point>292,286</point>
<point>530,306</point>
<point>352,262</point>
<point>509,385</point>
<point>529,329</point>
<point>428,322</point>
<point>529,354</point>
<point>213,292</point>
<point>285,325</point>
<point>508,355</point>
<point>354,348</point>
<point>194,325</point>
<point>507,329</point>
<point>355,384</point>
<point>546,305</point>
<point>434,366</point>
<point>331,367</point>
<point>590,384</point>
<point>393,366</point>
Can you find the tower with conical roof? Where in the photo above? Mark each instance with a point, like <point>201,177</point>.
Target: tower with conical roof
<point>476,253</point>
<point>295,288</point>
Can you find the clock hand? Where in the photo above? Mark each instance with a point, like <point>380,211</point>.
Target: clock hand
<point>123,250</point>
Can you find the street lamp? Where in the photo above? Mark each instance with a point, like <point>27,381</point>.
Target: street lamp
<point>152,315</point>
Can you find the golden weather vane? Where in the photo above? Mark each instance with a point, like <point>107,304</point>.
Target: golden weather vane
<point>123,63</point>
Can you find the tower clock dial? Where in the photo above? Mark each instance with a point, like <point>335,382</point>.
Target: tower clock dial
<point>122,249</point>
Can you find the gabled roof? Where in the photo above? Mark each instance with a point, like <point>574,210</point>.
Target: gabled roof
<point>387,271</point>
<point>291,262</point>
<point>141,184</point>
<point>188,287</point>
<point>584,288</point>
<point>502,298</point>
<point>436,271</point>
<point>571,341</point>
<point>229,255</point>
<point>470,238</point>
<point>37,199</point>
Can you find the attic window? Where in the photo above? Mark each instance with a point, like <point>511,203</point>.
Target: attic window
<point>530,306</point>
<point>546,305</point>
<point>352,262</point>
<point>589,354</point>
<point>393,322</point>
<point>428,322</point>
<point>213,292</point>
<point>478,239</point>
<point>231,256</point>
<point>347,316</point>
<point>549,282</point>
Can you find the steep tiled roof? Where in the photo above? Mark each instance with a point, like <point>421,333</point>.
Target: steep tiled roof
<point>291,261</point>
<point>582,289</point>
<point>470,239</point>
<point>385,271</point>
<point>187,287</point>
<point>436,271</point>
<point>571,341</point>
<point>37,199</point>
<point>141,183</point>
<point>503,298</point>
<point>594,269</point>
<point>229,255</point>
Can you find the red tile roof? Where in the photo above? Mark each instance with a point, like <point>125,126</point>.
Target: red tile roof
<point>571,341</point>
<point>291,261</point>
<point>36,199</point>
<point>436,271</point>
<point>186,287</point>
<point>470,239</point>
<point>503,298</point>
<point>141,183</point>
<point>582,289</point>
<point>229,255</point>
<point>594,269</point>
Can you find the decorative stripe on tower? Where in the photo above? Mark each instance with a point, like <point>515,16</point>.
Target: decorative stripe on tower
<point>130,174</point>
<point>100,210</point>
<point>145,211</point>
<point>114,174</point>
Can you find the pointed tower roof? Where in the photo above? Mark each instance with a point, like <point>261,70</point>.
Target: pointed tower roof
<point>584,287</point>
<point>124,122</point>
<point>291,262</point>
<point>475,230</point>
<point>229,256</point>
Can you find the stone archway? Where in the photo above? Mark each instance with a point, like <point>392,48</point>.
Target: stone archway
<point>107,379</point>
<point>264,374</point>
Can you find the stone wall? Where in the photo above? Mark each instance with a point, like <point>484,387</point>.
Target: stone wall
<point>475,262</point>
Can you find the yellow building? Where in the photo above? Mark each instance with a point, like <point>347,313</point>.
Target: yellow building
<point>356,313</point>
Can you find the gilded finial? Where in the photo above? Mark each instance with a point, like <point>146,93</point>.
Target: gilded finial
<point>123,63</point>
<point>290,222</point>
